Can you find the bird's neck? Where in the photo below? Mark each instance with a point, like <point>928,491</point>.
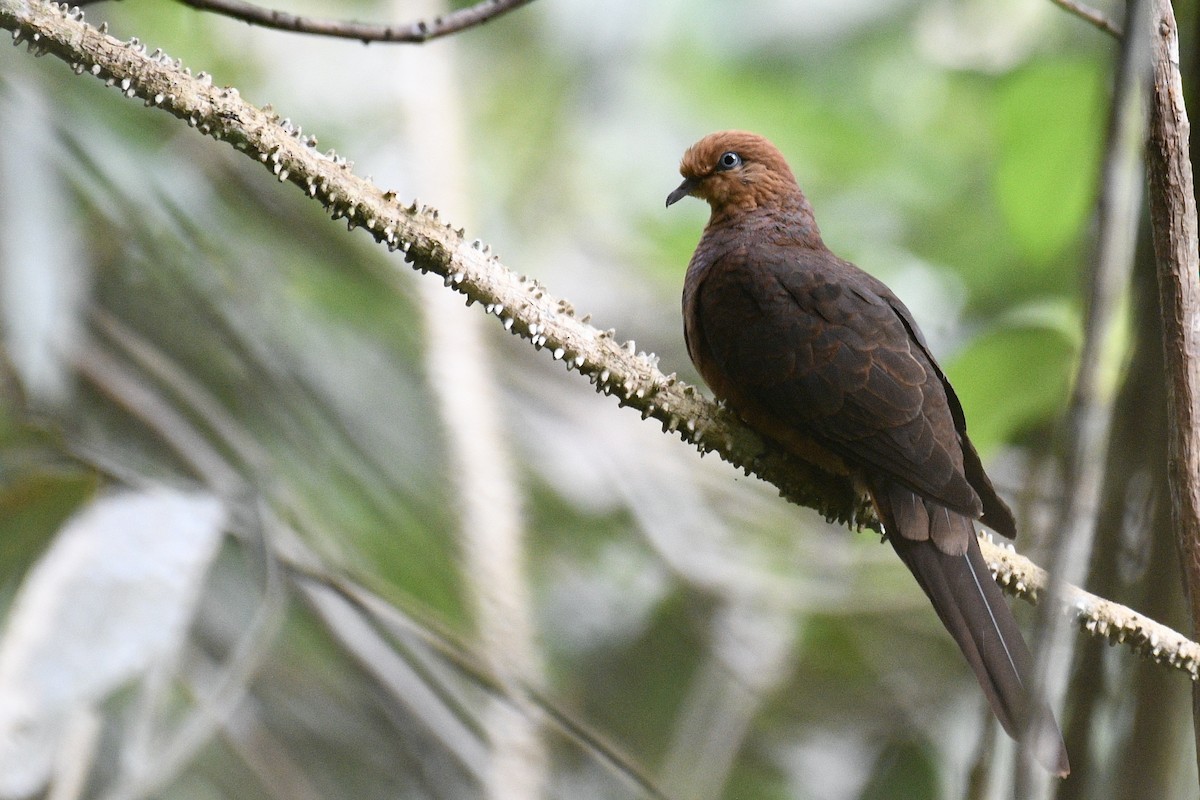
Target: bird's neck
<point>787,220</point>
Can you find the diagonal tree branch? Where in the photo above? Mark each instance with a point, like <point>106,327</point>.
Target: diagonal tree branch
<point>1089,14</point>
<point>523,306</point>
<point>417,32</point>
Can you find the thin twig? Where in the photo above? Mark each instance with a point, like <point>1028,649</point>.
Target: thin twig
<point>1091,15</point>
<point>523,306</point>
<point>122,384</point>
<point>416,32</point>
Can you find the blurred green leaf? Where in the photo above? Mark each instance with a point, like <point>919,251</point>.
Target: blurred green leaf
<point>1011,379</point>
<point>904,771</point>
<point>1050,123</point>
<point>33,506</point>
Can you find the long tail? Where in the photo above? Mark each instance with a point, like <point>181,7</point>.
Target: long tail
<point>972,607</point>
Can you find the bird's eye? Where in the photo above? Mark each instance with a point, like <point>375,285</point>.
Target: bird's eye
<point>729,160</point>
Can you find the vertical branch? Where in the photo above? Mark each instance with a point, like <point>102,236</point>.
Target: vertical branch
<point>1173,219</point>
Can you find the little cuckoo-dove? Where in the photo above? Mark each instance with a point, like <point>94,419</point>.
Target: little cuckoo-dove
<point>822,358</point>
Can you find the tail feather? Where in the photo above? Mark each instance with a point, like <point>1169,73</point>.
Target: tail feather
<point>944,556</point>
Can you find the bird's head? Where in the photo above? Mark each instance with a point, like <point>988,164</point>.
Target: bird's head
<point>735,171</point>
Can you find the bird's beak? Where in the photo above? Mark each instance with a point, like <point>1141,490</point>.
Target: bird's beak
<point>685,188</point>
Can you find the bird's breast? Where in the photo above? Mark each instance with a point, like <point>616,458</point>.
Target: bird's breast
<point>722,344</point>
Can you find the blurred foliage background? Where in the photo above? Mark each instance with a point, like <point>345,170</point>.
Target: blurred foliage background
<point>167,305</point>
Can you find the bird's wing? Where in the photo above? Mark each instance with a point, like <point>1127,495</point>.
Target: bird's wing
<point>815,343</point>
<point>996,513</point>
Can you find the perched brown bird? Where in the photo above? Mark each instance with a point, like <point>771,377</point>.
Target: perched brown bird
<point>823,358</point>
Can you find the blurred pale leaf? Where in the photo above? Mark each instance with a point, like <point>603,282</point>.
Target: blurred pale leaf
<point>112,596</point>
<point>42,278</point>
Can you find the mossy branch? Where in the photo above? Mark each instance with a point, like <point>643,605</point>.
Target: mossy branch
<point>521,304</point>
